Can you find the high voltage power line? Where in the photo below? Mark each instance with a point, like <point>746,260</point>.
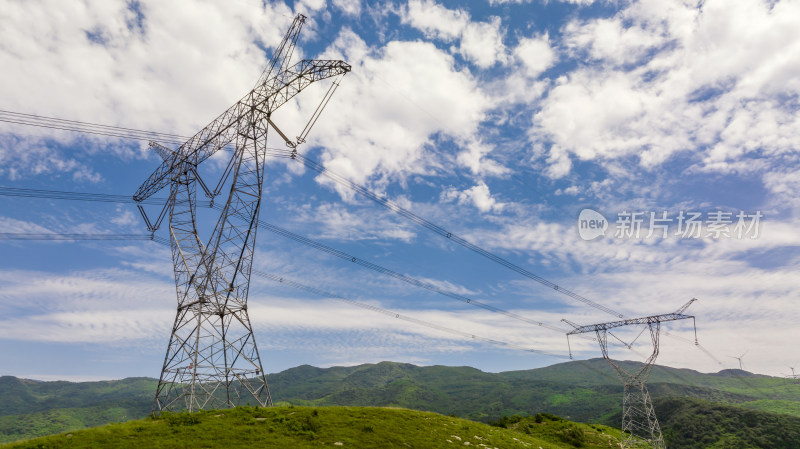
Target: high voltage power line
<point>5,191</point>
<point>285,281</point>
<point>79,196</point>
<point>394,207</point>
<point>58,236</point>
<point>74,196</point>
<point>134,134</point>
<point>305,287</point>
<point>40,121</point>
<point>300,286</point>
<point>323,293</point>
<point>401,277</point>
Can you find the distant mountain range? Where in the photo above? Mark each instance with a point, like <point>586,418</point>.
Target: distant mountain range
<point>585,391</point>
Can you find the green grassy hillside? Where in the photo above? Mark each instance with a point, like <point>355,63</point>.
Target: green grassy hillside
<point>312,427</point>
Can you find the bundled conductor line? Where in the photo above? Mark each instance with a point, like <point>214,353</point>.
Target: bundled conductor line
<point>401,277</point>
<point>398,316</point>
<point>37,193</point>
<point>129,133</point>
<point>59,236</point>
<point>84,127</point>
<point>394,207</point>
<point>115,131</point>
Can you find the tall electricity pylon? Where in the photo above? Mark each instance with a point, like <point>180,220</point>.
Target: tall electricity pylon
<point>212,360</point>
<point>640,427</point>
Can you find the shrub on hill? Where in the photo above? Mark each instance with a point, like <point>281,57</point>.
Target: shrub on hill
<point>555,428</point>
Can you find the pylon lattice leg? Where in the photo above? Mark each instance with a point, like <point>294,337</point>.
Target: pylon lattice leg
<point>639,424</point>
<point>212,360</point>
<point>640,427</point>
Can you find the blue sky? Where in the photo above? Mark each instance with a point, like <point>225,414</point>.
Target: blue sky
<point>499,121</point>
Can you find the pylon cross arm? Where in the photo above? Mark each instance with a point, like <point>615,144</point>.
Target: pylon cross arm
<point>222,130</point>
<point>629,322</point>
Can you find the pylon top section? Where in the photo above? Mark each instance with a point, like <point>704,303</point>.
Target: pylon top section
<point>279,83</point>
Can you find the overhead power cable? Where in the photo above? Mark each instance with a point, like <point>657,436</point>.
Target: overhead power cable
<point>391,273</point>
<point>280,279</point>
<point>394,207</point>
<point>59,236</point>
<point>80,196</point>
<point>323,293</point>
<point>398,316</point>
<point>164,241</point>
<point>130,133</point>
<point>74,125</point>
<point>86,127</point>
<point>74,196</point>
<point>136,134</point>
<point>294,284</point>
<point>38,193</point>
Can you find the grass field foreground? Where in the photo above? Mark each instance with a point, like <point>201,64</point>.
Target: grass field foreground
<point>313,427</point>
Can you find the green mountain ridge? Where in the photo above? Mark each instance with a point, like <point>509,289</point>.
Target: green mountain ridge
<point>585,391</point>
<point>563,389</point>
<point>28,396</point>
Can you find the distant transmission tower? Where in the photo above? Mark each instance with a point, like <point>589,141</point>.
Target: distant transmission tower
<point>640,427</point>
<point>212,360</point>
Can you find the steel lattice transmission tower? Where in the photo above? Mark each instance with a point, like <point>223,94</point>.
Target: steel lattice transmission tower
<point>212,360</point>
<point>640,427</point>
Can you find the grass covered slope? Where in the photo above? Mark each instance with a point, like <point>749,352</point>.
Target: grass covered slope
<point>312,427</point>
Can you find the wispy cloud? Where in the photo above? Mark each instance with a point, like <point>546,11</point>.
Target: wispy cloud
<point>671,77</point>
